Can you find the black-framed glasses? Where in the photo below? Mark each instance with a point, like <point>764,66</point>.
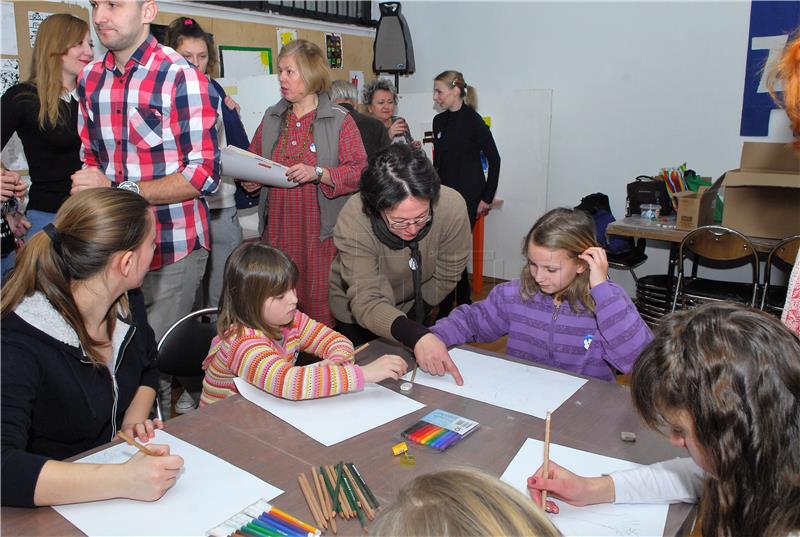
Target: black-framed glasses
<point>405,224</point>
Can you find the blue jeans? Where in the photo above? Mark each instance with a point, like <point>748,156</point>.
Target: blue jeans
<point>38,220</point>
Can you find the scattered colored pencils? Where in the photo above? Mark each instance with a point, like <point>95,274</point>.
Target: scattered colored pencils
<point>340,491</point>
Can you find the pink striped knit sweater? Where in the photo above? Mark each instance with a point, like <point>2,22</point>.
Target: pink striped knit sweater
<point>269,364</point>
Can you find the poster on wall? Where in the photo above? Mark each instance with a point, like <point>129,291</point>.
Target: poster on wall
<point>9,74</point>
<point>771,24</point>
<point>284,36</point>
<point>333,49</point>
<point>35,18</point>
<point>8,31</point>
<point>240,62</point>
<point>357,79</point>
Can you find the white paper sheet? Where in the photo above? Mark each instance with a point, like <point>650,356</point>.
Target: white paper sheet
<point>330,420</point>
<point>8,30</point>
<point>248,166</point>
<point>596,520</point>
<point>208,490</point>
<point>527,389</point>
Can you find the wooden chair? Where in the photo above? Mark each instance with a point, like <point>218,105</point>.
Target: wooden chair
<point>717,247</point>
<point>185,345</point>
<point>783,256</point>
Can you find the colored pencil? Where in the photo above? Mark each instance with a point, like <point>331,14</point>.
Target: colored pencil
<point>310,501</point>
<point>413,373</point>
<point>545,471</point>
<point>362,499</point>
<point>334,499</point>
<point>136,444</point>
<point>352,499</point>
<point>373,500</point>
<point>326,500</point>
<point>361,348</point>
<point>326,514</point>
<point>341,501</point>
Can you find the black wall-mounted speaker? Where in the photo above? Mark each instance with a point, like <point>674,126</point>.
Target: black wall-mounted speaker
<point>393,51</point>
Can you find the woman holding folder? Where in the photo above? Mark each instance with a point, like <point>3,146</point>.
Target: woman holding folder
<point>320,144</point>
<point>78,356</point>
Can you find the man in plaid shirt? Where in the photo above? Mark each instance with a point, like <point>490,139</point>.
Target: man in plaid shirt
<point>147,125</point>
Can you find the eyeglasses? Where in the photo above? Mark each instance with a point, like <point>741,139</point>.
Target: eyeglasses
<point>405,224</point>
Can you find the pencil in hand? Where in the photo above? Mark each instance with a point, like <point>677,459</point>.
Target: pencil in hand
<point>545,472</point>
<point>137,445</point>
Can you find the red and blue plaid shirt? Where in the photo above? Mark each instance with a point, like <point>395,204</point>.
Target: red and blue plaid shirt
<point>155,119</point>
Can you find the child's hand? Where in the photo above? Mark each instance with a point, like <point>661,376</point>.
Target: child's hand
<point>146,477</point>
<point>572,488</point>
<point>596,258</point>
<point>385,367</point>
<point>11,185</point>
<point>144,431</point>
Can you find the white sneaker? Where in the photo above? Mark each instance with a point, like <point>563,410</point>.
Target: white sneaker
<point>185,403</point>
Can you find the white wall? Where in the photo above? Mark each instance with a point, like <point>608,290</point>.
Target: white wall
<point>636,85</point>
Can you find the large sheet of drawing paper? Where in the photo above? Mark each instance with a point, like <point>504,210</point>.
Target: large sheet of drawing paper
<point>524,388</point>
<point>331,420</point>
<point>595,520</point>
<point>208,490</point>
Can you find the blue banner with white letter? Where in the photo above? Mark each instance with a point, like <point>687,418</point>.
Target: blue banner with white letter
<point>772,23</point>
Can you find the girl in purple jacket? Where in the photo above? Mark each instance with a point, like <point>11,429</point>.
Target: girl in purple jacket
<point>562,312</point>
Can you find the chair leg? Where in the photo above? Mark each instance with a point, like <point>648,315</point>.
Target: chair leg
<point>677,290</point>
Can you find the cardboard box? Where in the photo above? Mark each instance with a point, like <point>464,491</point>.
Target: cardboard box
<point>762,197</point>
<point>696,209</point>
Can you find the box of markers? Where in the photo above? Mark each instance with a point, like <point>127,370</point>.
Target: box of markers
<point>440,429</point>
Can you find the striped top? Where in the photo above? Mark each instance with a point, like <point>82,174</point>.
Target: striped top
<point>575,341</point>
<point>269,364</point>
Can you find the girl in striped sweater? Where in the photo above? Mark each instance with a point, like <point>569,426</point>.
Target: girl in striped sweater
<point>562,312</point>
<point>261,332</point>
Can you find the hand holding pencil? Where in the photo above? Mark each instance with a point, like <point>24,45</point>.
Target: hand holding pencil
<point>149,473</point>
<point>569,487</point>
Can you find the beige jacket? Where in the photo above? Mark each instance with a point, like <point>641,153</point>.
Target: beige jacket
<point>370,284</point>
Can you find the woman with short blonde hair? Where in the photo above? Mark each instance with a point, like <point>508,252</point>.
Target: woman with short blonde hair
<point>319,143</point>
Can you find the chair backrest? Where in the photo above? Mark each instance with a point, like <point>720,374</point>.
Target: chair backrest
<point>782,255</point>
<point>718,243</point>
<point>185,345</point>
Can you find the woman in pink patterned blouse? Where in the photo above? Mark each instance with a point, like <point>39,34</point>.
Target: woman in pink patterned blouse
<point>320,143</point>
<point>261,332</point>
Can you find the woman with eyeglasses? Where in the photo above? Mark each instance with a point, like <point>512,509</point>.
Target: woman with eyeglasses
<point>402,245</point>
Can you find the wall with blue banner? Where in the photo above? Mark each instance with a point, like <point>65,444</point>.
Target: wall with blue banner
<point>771,24</point>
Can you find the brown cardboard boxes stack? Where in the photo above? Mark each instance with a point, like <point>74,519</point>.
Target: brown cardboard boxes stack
<point>762,196</point>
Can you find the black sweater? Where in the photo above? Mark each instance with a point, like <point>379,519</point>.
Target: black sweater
<point>53,154</point>
<point>458,139</point>
<point>55,404</point>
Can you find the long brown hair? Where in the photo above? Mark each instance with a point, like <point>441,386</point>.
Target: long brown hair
<point>736,372</point>
<point>91,226</point>
<point>461,502</point>
<point>253,273</point>
<point>455,79</point>
<point>787,71</point>
<point>565,229</point>
<point>57,34</point>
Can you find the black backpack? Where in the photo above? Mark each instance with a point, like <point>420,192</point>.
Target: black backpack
<point>646,189</point>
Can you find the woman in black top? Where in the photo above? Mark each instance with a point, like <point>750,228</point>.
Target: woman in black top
<point>43,111</point>
<point>459,137</point>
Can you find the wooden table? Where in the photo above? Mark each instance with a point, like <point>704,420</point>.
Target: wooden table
<point>664,230</point>
<point>258,442</point>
